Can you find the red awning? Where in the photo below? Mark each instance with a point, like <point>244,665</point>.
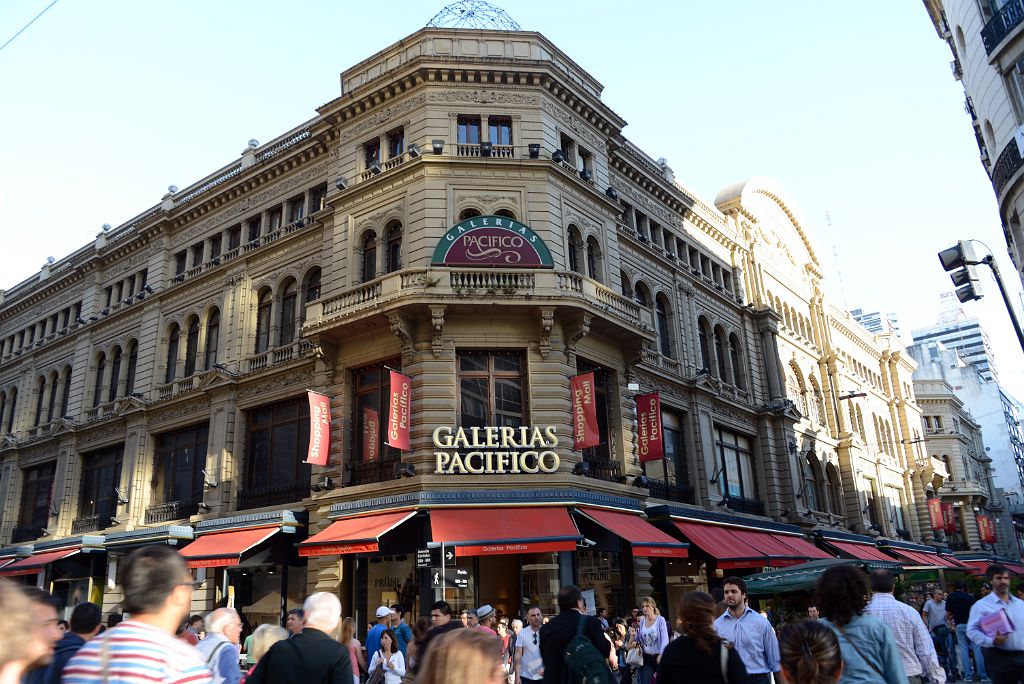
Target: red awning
<point>224,549</point>
<point>803,547</point>
<point>955,562</point>
<point>36,562</point>
<point>645,538</point>
<point>977,567</point>
<point>353,535</point>
<point>1015,568</point>
<point>921,558</point>
<point>497,531</point>
<point>861,551</point>
<point>720,543</point>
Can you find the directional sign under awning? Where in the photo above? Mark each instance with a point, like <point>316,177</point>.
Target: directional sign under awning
<point>448,558</point>
<point>428,558</point>
<point>452,578</point>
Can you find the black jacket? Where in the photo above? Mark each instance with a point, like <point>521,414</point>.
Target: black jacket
<point>310,657</point>
<point>684,663</point>
<point>557,634</point>
<point>62,653</point>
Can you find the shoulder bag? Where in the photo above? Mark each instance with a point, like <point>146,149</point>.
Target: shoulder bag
<point>377,676</point>
<point>860,653</point>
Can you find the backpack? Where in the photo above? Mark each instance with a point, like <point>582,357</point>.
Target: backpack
<point>584,664</point>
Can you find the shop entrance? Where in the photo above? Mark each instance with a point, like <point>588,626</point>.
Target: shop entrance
<point>510,583</point>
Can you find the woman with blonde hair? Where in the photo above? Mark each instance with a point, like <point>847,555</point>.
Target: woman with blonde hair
<point>17,633</point>
<point>355,649</point>
<point>700,655</point>
<point>461,656</point>
<point>653,638</point>
<point>810,653</point>
<point>263,638</point>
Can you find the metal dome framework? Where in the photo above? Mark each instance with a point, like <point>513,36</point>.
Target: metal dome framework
<point>473,14</point>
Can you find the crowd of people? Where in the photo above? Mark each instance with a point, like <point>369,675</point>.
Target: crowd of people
<point>855,630</point>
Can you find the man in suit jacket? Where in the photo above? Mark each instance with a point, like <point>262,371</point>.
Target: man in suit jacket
<point>560,630</point>
<point>311,656</point>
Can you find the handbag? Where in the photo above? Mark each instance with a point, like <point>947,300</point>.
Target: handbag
<point>377,676</point>
<point>635,656</point>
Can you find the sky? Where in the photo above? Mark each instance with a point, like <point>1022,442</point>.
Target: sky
<point>850,106</point>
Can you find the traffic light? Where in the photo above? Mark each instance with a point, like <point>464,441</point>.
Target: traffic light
<point>960,260</point>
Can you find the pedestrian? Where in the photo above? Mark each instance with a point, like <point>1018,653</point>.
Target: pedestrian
<point>63,626</point>
<point>958,605</point>
<point>220,647</point>
<point>193,628</point>
<point>44,612</point>
<point>700,655</point>
<point>750,634</point>
<point>114,619</point>
<point>810,653</point>
<point>812,612</point>
<point>486,620</point>
<point>559,631</point>
<point>464,617</point>
<point>602,617</point>
<point>419,630</point>
<point>86,620</point>
<point>157,590</point>
<point>262,638</point>
<point>311,656</point>
<point>527,663</point>
<point>388,659</point>
<point>355,649</point>
<point>934,615</point>
<point>20,644</point>
<point>634,618</point>
<point>402,630</point>
<point>653,637</point>
<point>623,638</point>
<point>294,621</point>
<point>916,649</point>
<point>869,649</point>
<point>463,656</point>
<point>373,636</point>
<point>1003,648</point>
<point>441,619</point>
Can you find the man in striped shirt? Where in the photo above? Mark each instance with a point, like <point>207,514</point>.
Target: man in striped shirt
<point>914,643</point>
<point>143,650</point>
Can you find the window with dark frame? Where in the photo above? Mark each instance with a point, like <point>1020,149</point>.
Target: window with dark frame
<point>288,300</point>
<point>180,459</point>
<point>468,132</point>
<point>115,374</point>
<point>40,398</point>
<point>673,469</point>
<point>172,354</point>
<point>736,463</point>
<point>394,240</point>
<point>51,409</point>
<point>371,152</point>
<point>97,389</point>
<point>369,256</point>
<point>36,496</point>
<point>602,391</point>
<point>492,388</point>
<point>180,261</point>
<point>101,474</point>
<point>66,395</point>
<point>212,338</point>
<point>396,146</point>
<point>277,440</point>
<point>499,129</point>
<point>191,346</point>
<point>263,312</point>
<point>254,229</point>
<point>371,391</point>
<point>133,361</point>
<point>215,244</point>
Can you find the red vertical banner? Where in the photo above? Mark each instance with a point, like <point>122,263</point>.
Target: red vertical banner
<point>319,428</point>
<point>650,445</point>
<point>371,435</point>
<point>398,411</point>
<point>585,432</point>
<point>986,530</point>
<point>935,514</point>
<point>948,518</point>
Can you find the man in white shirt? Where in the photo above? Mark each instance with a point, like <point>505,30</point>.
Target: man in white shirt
<point>1004,651</point>
<point>912,639</point>
<point>529,667</point>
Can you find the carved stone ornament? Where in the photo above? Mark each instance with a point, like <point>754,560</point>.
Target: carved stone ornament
<point>379,117</point>
<point>402,329</point>
<point>192,408</point>
<point>580,129</point>
<point>581,330</point>
<point>301,377</point>
<point>377,217</point>
<point>477,96</point>
<point>437,330</point>
<point>547,322</point>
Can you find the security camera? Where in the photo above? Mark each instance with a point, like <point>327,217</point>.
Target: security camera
<point>588,543</point>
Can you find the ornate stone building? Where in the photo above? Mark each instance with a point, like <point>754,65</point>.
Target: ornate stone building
<point>467,212</point>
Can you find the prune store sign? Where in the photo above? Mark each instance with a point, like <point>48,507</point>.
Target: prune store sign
<point>495,450</point>
<point>492,241</point>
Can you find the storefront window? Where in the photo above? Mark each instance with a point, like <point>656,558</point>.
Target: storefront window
<point>492,389</point>
<point>255,592</point>
<point>681,576</point>
<point>392,580</point>
<point>540,581</point>
<point>601,572</point>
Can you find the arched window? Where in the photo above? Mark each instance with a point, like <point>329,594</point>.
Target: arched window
<point>720,354</point>
<point>115,374</point>
<point>263,309</point>
<point>593,258</point>
<point>65,397</point>
<point>51,410</point>
<point>664,332</point>
<point>507,213</point>
<point>702,343</point>
<point>97,388</point>
<point>624,286</point>
<point>575,243</point>
<point>834,489</point>
<point>289,297</point>
<point>313,285</point>
<point>816,402</point>
<point>212,338</point>
<point>738,378</point>
<point>468,214</point>
<point>133,361</point>
<point>40,398</point>
<point>369,262</point>
<point>860,425</point>
<point>640,295</point>
<point>14,407</point>
<point>795,388</point>
<point>394,239</point>
<point>172,354</point>
<point>191,346</point>
<point>811,486</point>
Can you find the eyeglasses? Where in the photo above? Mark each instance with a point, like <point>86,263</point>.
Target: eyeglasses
<point>534,638</point>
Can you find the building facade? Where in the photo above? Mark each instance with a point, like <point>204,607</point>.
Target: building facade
<point>987,46</point>
<point>965,336</point>
<point>468,214</point>
<point>877,322</point>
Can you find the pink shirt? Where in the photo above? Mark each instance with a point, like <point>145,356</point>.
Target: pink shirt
<point>353,656</point>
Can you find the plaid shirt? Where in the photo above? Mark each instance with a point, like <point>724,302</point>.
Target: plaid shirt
<point>912,639</point>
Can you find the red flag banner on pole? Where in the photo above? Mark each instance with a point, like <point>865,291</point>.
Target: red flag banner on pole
<point>986,530</point>
<point>651,446</point>
<point>371,435</point>
<point>948,518</point>
<point>398,411</point>
<point>585,432</point>
<point>935,514</point>
<point>319,428</point>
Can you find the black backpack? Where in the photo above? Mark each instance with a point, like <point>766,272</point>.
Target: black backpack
<point>584,664</point>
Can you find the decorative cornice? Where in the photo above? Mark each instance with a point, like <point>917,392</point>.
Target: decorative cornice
<point>169,533</point>
<point>287,520</point>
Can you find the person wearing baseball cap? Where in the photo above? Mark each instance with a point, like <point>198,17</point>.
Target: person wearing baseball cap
<point>373,637</point>
<point>486,619</point>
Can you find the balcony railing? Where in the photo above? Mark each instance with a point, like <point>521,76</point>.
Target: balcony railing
<point>91,523</point>
<point>273,495</point>
<point>499,151</point>
<point>24,534</point>
<point>290,352</point>
<point>999,26</point>
<point>1006,166</point>
<point>668,491</point>
<point>173,510</point>
<point>741,505</point>
<point>605,469</point>
<point>379,470</point>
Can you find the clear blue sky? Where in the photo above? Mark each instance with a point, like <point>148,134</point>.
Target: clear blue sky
<point>851,107</point>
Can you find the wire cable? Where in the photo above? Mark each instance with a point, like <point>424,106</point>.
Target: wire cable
<point>11,39</point>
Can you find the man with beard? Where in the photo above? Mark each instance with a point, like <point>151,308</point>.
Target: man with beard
<point>750,634</point>
<point>1003,648</point>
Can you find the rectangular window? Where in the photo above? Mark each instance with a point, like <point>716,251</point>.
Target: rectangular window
<point>491,389</point>
<point>277,439</point>
<point>602,390</point>
<point>255,228</point>
<point>568,147</point>
<point>180,259</point>
<point>736,476</point>
<point>670,476</point>
<point>108,298</point>
<point>101,473</point>
<point>499,128</point>
<point>317,198</point>
<point>274,219</point>
<point>585,162</point>
<point>180,459</point>
<point>234,236</point>
<point>371,152</point>
<point>371,390</point>
<point>396,143</point>
<point>36,496</point>
<point>296,208</point>
<point>197,253</point>
<point>215,243</point>
<point>469,130</point>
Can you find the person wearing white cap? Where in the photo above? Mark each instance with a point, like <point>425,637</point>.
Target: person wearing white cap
<point>373,637</point>
<point>487,619</point>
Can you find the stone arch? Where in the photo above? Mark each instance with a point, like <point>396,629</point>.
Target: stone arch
<point>393,235</point>
<point>367,255</point>
<point>574,248</point>
<point>663,318</point>
<point>469,211</point>
<point>595,259</point>
<point>704,343</point>
<point>721,360</point>
<point>736,360</point>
